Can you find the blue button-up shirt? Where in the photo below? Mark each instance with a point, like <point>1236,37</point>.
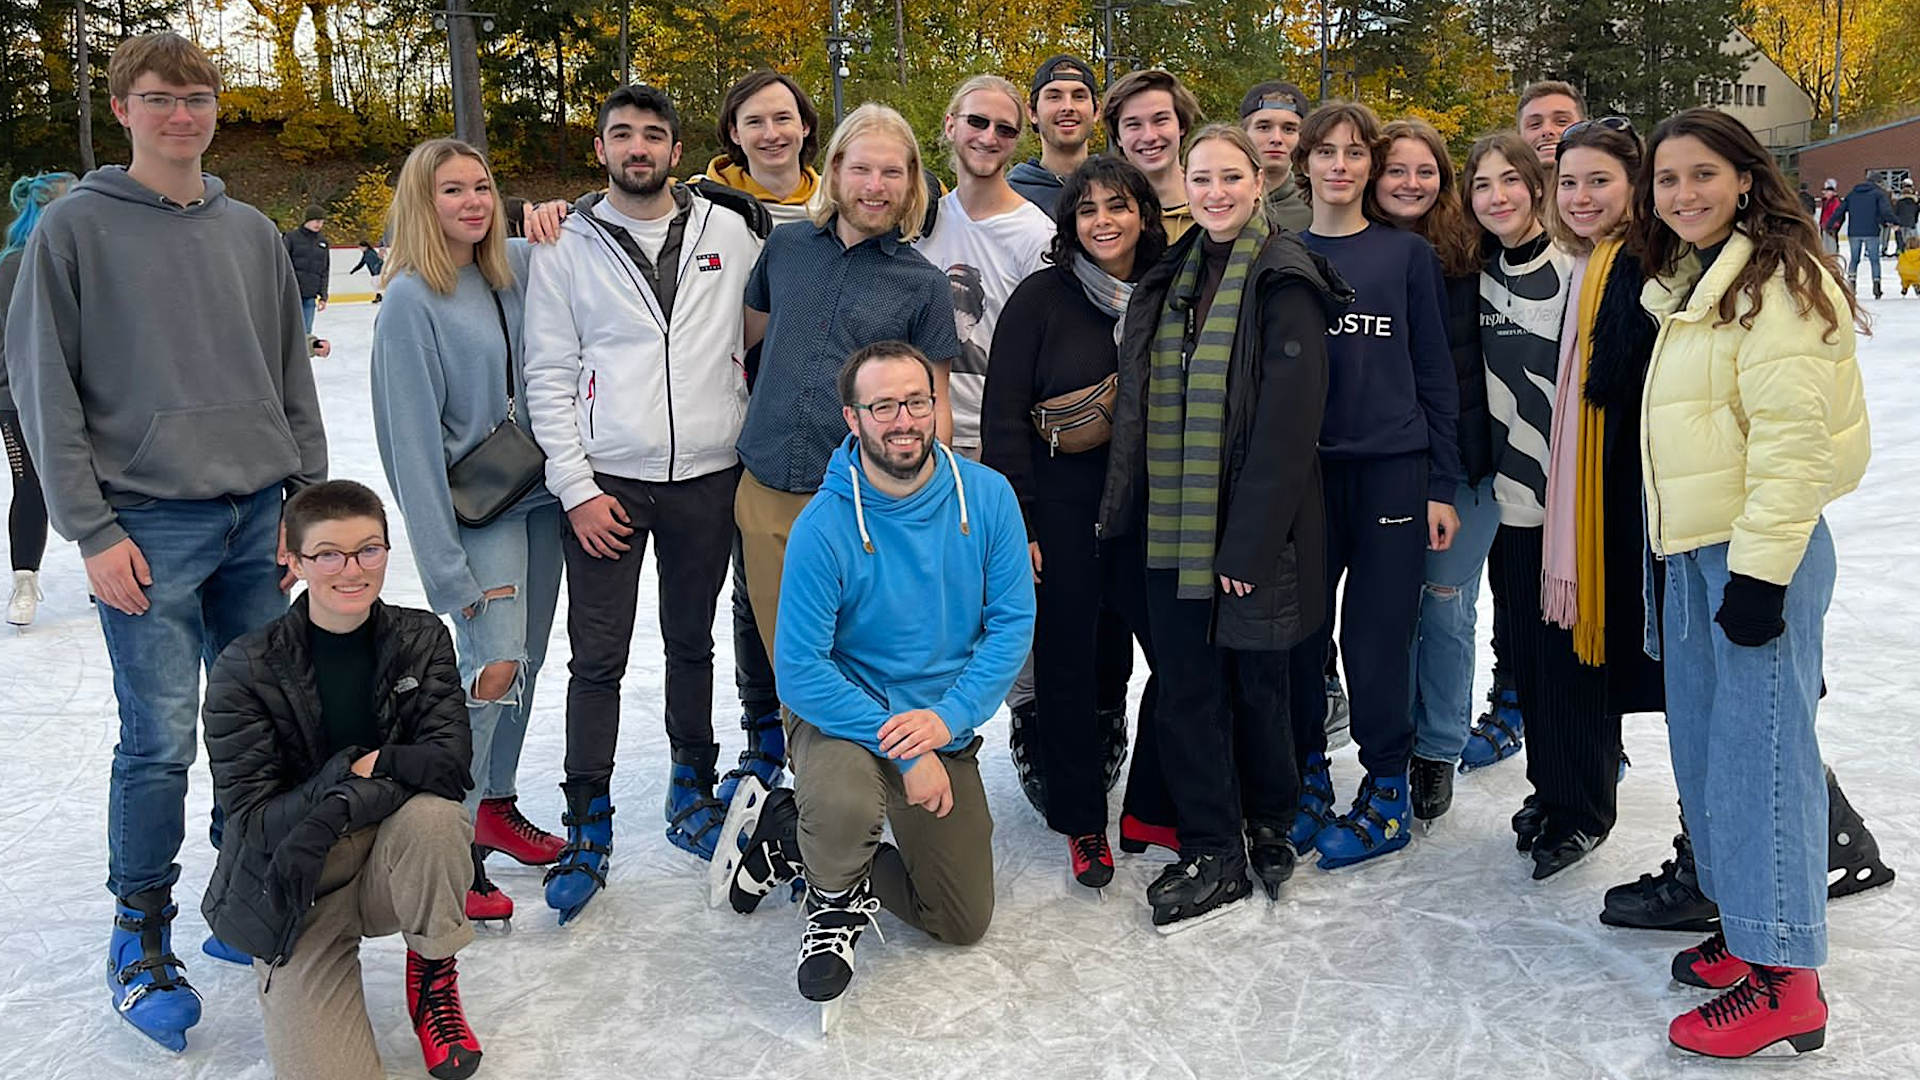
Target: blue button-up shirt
<point>824,301</point>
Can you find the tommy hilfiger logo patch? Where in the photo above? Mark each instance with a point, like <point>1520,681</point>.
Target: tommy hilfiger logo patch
<point>709,261</point>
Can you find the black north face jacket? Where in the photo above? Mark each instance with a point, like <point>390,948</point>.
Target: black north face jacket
<point>264,741</point>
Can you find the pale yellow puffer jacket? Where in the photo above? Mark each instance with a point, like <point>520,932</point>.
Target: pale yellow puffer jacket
<point>1746,434</point>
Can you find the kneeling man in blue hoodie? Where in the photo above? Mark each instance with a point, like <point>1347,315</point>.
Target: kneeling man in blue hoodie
<point>905,612</point>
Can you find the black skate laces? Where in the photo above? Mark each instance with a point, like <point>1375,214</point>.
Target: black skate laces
<point>437,1010</point>
<point>1734,1005</point>
<point>837,922</point>
<point>1091,848</point>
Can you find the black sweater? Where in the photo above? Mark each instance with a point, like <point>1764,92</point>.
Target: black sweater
<point>1050,340</point>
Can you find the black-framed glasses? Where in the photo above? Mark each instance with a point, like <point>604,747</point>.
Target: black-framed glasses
<point>919,406</point>
<point>370,557</point>
<point>982,123</point>
<point>161,103</point>
<point>1612,123</point>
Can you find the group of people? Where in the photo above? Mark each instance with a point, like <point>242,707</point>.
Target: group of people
<point>1229,392</point>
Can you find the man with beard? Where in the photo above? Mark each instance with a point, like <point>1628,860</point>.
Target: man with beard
<point>823,289</point>
<point>633,331</point>
<point>986,237</point>
<point>1060,104</point>
<point>907,609</point>
<point>1147,115</point>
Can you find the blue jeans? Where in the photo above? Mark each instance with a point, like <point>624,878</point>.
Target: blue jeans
<point>521,549</point>
<point>1443,642</point>
<point>1870,246</point>
<point>1752,789</point>
<point>214,579</point>
<point>307,305</point>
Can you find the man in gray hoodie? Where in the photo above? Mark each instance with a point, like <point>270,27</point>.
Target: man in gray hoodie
<point>155,347</point>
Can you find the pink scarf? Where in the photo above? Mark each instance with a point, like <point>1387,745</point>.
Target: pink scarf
<point>1560,559</point>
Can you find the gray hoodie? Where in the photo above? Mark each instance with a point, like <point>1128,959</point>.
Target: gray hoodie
<point>156,351</point>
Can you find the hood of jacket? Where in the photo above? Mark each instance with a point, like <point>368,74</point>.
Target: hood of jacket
<point>942,497</point>
<point>722,169</point>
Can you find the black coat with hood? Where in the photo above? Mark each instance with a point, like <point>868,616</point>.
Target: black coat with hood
<point>1272,521</point>
<point>265,744</point>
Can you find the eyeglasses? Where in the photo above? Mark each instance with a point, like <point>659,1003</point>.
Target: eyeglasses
<point>161,103</point>
<point>919,406</point>
<point>1612,123</point>
<point>371,557</point>
<point>982,123</point>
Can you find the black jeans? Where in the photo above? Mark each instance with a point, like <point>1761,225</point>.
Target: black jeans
<point>1221,730</point>
<point>691,522</point>
<point>1077,659</point>
<point>1573,744</point>
<point>752,670</point>
<point>1377,529</point>
<point>27,517</point>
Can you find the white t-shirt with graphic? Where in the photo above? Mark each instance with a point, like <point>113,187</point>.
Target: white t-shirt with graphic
<point>983,261</point>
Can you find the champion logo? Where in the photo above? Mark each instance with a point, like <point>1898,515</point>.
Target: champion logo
<point>708,261</point>
<point>1395,520</point>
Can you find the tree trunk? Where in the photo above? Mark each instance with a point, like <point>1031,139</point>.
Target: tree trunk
<point>323,49</point>
<point>83,84</point>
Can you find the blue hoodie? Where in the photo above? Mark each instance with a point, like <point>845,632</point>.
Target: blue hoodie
<point>894,604</point>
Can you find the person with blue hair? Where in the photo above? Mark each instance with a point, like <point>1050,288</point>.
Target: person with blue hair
<point>27,516</point>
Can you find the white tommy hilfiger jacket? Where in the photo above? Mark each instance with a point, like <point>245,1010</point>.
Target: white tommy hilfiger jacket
<point>614,385</point>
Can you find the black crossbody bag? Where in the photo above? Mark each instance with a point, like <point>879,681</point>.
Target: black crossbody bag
<point>490,478</point>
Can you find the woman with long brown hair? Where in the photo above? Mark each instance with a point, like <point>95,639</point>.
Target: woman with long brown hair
<point>1418,191</point>
<point>1753,420</point>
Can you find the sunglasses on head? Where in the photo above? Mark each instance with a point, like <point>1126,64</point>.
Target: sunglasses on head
<point>1612,123</point>
<point>982,123</point>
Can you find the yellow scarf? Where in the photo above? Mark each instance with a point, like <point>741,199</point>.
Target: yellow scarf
<point>1590,519</point>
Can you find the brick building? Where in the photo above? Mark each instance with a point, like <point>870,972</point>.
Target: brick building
<point>1891,152</point>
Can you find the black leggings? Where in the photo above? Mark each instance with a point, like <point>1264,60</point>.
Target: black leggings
<point>27,518</point>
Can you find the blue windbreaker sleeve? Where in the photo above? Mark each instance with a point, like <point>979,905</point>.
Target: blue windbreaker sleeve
<point>811,684</point>
<point>1007,618</point>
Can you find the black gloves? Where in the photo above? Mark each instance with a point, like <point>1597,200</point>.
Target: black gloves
<point>294,873</point>
<point>1750,612</point>
<point>424,768</point>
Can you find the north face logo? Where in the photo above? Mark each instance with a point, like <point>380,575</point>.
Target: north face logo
<point>710,261</point>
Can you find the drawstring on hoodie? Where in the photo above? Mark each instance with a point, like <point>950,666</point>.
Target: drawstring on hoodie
<point>859,508</point>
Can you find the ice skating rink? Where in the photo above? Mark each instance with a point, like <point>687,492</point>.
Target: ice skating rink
<point>1447,961</point>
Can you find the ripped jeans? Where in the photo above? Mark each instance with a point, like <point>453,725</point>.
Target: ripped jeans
<point>520,550</point>
<point>1443,643</point>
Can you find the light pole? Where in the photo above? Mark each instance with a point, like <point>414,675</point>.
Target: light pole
<point>1106,9</point>
<point>463,61</point>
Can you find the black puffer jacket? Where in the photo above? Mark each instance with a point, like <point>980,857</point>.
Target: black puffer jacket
<point>312,261</point>
<point>264,739</point>
<point>1272,518</point>
<point>1470,370</point>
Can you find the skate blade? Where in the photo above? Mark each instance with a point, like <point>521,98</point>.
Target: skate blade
<point>743,816</point>
<point>1229,908</point>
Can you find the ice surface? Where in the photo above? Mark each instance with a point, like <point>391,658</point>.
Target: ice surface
<point>1447,962</point>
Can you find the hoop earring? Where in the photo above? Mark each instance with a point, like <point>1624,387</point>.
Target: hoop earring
<point>1742,201</point>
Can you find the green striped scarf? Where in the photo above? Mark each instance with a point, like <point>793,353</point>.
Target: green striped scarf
<point>1186,419</point>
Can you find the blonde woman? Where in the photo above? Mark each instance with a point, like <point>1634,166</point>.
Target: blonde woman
<point>448,336</point>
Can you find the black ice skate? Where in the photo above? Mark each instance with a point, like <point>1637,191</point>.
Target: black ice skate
<point>834,925</point>
<point>1197,889</point>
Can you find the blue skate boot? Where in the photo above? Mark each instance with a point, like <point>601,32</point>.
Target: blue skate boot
<point>764,757</point>
<point>1497,734</point>
<point>694,816</point>
<point>1378,824</point>
<point>1316,803</point>
<point>582,868</point>
<point>149,990</point>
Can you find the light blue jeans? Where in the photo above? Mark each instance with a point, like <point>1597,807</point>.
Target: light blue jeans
<point>520,549</point>
<point>1752,788</point>
<point>1443,641</point>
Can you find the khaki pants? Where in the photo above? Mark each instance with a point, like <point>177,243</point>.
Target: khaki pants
<point>408,875</point>
<point>940,879</point>
<point>765,518</point>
